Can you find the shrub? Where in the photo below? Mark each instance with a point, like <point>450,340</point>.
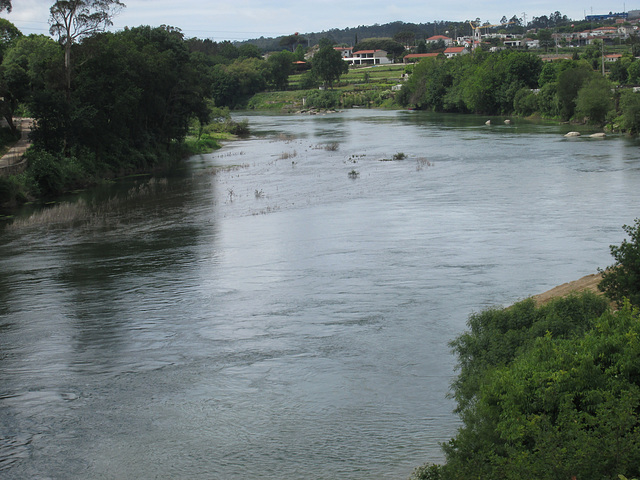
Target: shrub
<point>323,99</point>
<point>630,107</point>
<point>525,102</point>
<point>622,279</point>
<point>45,173</point>
<point>9,190</point>
<point>428,471</point>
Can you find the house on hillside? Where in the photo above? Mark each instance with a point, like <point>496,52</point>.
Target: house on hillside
<point>532,43</point>
<point>416,57</point>
<point>447,41</point>
<point>612,57</point>
<point>451,52</point>
<point>513,43</point>
<point>368,57</point>
<point>346,52</point>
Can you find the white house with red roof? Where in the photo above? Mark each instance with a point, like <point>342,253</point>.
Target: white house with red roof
<point>455,51</point>
<point>447,41</point>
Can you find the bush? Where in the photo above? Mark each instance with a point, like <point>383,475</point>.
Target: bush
<point>10,190</point>
<point>428,471</point>
<point>323,99</point>
<point>622,279</point>
<point>45,173</point>
<point>309,81</point>
<point>525,102</point>
<point>594,100</point>
<point>630,108</point>
<point>548,392</point>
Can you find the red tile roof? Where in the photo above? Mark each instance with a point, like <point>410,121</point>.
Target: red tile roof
<point>454,50</point>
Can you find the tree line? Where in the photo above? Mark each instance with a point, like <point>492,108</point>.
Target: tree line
<point>520,83</point>
<point>111,103</point>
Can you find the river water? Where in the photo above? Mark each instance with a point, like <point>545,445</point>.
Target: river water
<point>263,313</point>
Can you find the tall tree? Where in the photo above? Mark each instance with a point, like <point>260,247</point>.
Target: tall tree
<point>328,65</point>
<point>5,5</point>
<point>72,20</point>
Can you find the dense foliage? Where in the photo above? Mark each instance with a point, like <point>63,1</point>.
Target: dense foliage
<point>622,280</point>
<point>553,391</point>
<point>328,65</point>
<point>127,101</point>
<point>546,393</point>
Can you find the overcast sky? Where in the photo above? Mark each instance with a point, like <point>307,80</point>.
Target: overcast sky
<point>245,19</point>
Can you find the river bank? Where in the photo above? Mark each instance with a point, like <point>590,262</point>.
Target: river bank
<point>588,282</point>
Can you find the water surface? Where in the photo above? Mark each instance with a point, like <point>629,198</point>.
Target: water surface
<point>278,318</point>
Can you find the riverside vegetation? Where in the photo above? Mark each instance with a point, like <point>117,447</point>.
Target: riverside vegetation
<point>552,391</point>
<point>136,100</point>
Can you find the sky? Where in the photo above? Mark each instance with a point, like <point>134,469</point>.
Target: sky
<point>237,20</point>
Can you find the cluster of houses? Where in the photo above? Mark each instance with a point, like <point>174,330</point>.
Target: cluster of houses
<point>379,57</point>
<point>461,45</point>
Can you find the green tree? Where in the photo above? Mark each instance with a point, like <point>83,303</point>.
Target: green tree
<point>29,66</point>
<point>594,99</point>
<point>280,67</point>
<point>622,279</point>
<point>72,20</point>
<point>5,5</point>
<point>548,102</point>
<point>633,72</point>
<point>300,53</point>
<point>9,33</point>
<point>630,110</point>
<point>569,83</point>
<point>545,39</point>
<point>292,41</point>
<point>328,65</point>
<point>525,102</point>
<point>548,392</point>
<point>249,50</point>
<point>619,71</point>
<point>593,54</point>
<point>405,37</point>
<point>548,73</point>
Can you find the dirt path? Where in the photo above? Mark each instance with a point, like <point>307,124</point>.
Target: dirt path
<point>590,282</point>
<point>15,153</point>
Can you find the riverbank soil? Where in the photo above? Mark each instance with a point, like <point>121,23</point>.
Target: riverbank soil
<point>590,282</point>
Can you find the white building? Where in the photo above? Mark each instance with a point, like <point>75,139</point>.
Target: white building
<point>368,57</point>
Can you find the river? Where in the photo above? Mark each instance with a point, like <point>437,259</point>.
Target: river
<point>281,308</point>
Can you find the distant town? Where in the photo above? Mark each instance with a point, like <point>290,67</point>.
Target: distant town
<point>616,29</point>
